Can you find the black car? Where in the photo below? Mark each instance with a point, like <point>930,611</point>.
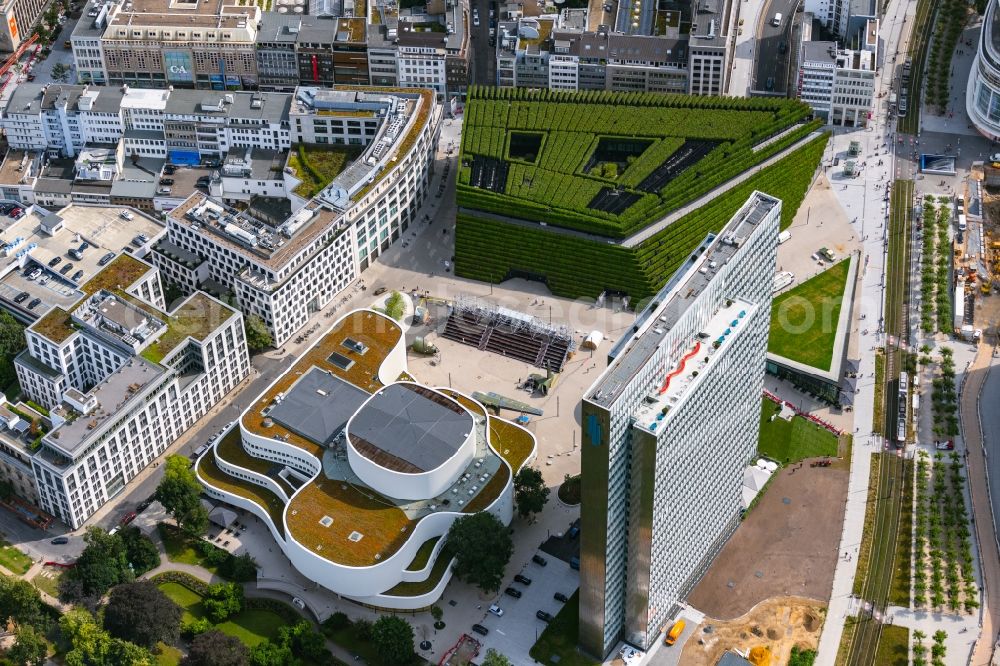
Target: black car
<point>84,246</point>
<point>170,169</point>
<point>480,629</point>
<point>543,616</point>
<point>77,276</point>
<point>166,181</point>
<point>522,579</point>
<point>54,261</point>
<point>22,297</point>
<point>513,592</point>
<point>560,597</point>
<point>65,269</point>
<point>60,541</point>
<point>106,258</point>
<point>34,302</point>
<point>539,560</point>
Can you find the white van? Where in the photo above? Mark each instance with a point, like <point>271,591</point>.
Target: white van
<point>776,21</point>
<point>961,223</point>
<point>784,236</point>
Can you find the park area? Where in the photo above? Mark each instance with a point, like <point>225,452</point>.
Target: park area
<point>251,626</point>
<point>317,166</point>
<point>804,318</point>
<point>13,559</point>
<point>788,441</point>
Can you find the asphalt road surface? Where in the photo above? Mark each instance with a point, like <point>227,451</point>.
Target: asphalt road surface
<point>770,62</point>
<point>483,55</point>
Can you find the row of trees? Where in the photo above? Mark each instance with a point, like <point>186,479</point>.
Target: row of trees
<point>948,23</point>
<point>937,651</point>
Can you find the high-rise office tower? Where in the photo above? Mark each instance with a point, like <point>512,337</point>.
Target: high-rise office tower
<point>668,429</point>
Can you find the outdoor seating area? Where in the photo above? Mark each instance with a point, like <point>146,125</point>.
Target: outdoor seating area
<point>518,338</point>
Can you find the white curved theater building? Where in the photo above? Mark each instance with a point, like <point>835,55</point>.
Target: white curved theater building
<point>359,471</point>
<point>982,95</point>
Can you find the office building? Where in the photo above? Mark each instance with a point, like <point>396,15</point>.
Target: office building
<point>355,470</point>
<point>662,471</point>
<point>121,377</point>
<point>982,94</point>
<point>284,270</point>
<point>839,84</point>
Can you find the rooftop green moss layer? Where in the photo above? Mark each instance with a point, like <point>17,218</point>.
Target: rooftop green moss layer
<point>554,152</point>
<point>575,267</point>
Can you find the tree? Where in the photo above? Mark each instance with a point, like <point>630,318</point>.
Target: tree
<point>339,621</point>
<point>304,642</point>
<point>258,336</point>
<point>60,72</point>
<point>393,638</point>
<point>395,306</point>
<point>222,601</point>
<point>102,565</point>
<point>241,568</point>
<point>6,489</point>
<point>141,613</point>
<point>530,491</point>
<point>12,341</point>
<point>271,654</point>
<point>140,551</point>
<point>179,493</point>
<point>494,658</point>
<point>29,647</point>
<point>214,648</point>
<point>19,601</point>
<point>799,657</point>
<point>482,548</point>
<point>92,646</point>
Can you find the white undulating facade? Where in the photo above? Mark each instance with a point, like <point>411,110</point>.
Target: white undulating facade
<point>663,472</point>
<point>373,441</point>
<point>283,273</point>
<point>982,95</point>
<point>122,379</point>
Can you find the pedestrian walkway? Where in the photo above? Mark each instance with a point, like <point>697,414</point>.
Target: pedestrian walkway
<point>955,120</point>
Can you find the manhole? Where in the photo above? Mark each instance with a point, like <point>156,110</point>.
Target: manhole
<point>425,645</point>
<point>786,500</point>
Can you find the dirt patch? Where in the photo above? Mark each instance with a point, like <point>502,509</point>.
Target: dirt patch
<point>777,624</point>
<point>787,545</point>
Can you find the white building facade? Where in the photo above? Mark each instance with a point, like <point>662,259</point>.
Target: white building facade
<point>122,379</point>
<point>658,505</point>
<point>983,91</point>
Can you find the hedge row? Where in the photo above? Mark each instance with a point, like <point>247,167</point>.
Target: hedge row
<point>579,268</point>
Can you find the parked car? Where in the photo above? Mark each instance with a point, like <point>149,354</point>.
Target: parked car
<point>60,541</point>
<point>496,610</point>
<point>22,297</point>
<point>298,603</point>
<point>170,169</point>
<point>103,261</point>
<point>573,532</point>
<point>127,518</point>
<point>76,276</point>
<point>574,563</point>
<point>513,592</point>
<point>560,597</point>
<point>480,629</point>
<point>946,445</point>
<point>125,215</point>
<point>543,616</point>
<point>34,274</point>
<point>35,302</point>
<point>539,560</point>
<point>200,450</point>
<point>522,579</point>
<point>65,269</point>
<point>166,181</point>
<point>380,291</point>
<point>54,261</point>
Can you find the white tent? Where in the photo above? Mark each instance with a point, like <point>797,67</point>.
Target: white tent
<point>222,516</point>
<point>754,479</point>
<point>593,340</point>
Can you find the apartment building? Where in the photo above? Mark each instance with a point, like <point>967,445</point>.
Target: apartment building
<point>839,84</point>
<point>536,52</point>
<point>122,378</point>
<point>277,64</point>
<point>658,503</point>
<point>17,434</point>
<point>283,271</point>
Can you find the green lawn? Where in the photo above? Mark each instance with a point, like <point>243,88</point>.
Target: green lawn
<point>180,547</point>
<point>899,593</point>
<point>12,559</point>
<point>47,581</point>
<point>168,656</point>
<point>317,166</point>
<point>348,639</point>
<point>561,636</point>
<point>250,626</point>
<point>791,441</point>
<point>804,318</point>
<point>843,652</point>
<point>893,646</point>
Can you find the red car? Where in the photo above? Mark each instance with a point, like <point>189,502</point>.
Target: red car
<point>947,445</point>
<point>127,518</point>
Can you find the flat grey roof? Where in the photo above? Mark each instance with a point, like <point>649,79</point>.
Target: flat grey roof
<point>410,428</point>
<point>318,405</point>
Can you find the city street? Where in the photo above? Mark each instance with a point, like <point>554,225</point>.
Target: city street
<point>483,58</point>
<point>773,46</point>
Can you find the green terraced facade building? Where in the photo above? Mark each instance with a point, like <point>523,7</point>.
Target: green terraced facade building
<point>607,193</point>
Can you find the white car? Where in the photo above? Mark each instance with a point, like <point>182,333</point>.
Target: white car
<point>475,21</point>
<point>298,603</point>
<point>496,610</point>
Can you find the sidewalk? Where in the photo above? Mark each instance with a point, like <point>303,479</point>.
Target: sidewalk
<point>742,75</point>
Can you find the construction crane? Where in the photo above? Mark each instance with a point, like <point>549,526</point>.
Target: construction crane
<point>14,58</point>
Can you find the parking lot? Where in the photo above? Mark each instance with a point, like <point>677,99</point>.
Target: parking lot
<point>518,629</point>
